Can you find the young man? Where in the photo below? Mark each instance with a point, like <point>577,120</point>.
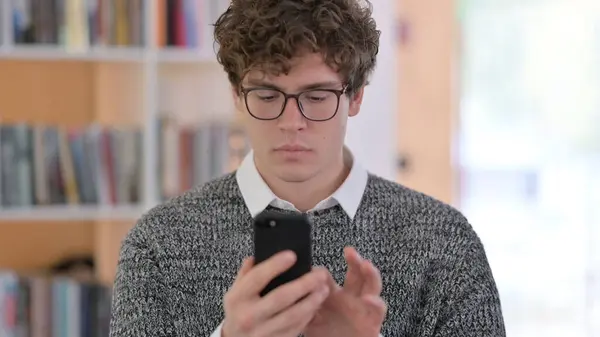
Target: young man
<point>389,261</point>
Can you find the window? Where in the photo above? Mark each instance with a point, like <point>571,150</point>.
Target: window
<point>530,157</point>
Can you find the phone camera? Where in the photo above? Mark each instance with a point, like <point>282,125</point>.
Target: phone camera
<point>272,223</point>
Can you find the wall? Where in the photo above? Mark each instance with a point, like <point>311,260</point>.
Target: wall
<point>372,133</point>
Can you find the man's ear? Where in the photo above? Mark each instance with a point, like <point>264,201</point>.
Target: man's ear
<point>356,102</point>
<point>235,95</point>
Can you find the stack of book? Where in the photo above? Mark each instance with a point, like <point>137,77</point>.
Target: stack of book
<point>51,165</point>
<point>85,23</point>
<point>48,165</point>
<point>45,305</point>
<point>192,155</point>
<point>186,23</point>
<point>79,23</point>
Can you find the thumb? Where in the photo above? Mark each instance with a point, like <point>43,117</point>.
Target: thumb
<point>247,264</point>
<point>375,307</point>
<point>333,286</point>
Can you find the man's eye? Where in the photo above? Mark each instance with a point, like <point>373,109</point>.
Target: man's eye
<point>267,95</point>
<point>317,98</point>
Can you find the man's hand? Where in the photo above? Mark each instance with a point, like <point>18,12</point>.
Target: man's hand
<point>356,309</point>
<point>284,311</point>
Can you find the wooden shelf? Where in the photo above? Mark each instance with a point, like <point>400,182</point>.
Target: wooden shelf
<point>186,56</point>
<point>108,86</point>
<point>58,87</point>
<point>107,54</point>
<point>31,245</point>
<point>58,53</point>
<point>71,213</point>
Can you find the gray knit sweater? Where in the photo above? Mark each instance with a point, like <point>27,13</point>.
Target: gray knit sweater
<point>181,257</point>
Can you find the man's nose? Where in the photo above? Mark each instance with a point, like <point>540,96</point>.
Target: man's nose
<point>292,118</point>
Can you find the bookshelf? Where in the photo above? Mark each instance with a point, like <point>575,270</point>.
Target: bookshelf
<point>119,93</point>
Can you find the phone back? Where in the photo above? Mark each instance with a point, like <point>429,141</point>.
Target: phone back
<point>275,232</point>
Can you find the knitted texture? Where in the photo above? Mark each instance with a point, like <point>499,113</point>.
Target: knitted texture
<point>181,257</point>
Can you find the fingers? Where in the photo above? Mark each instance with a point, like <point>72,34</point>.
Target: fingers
<point>245,268</point>
<point>289,294</point>
<point>261,274</point>
<point>362,278</point>
<point>371,279</point>
<point>354,278</point>
<point>333,286</point>
<point>375,308</point>
<point>284,311</point>
<point>297,317</point>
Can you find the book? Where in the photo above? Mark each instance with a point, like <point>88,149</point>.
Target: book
<point>95,165</point>
<point>191,155</point>
<point>43,305</point>
<point>42,165</point>
<point>79,24</point>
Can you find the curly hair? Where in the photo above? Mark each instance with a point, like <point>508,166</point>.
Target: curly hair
<point>267,34</point>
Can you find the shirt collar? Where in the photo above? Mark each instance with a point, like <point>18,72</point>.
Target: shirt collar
<point>257,194</point>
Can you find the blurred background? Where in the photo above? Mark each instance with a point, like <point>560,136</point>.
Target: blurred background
<point>109,107</point>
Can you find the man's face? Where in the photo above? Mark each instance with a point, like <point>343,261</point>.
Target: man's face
<point>292,147</point>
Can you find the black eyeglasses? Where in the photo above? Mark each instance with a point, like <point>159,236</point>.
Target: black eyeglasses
<point>317,105</point>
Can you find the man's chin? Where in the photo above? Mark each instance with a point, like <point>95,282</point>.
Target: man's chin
<point>294,173</point>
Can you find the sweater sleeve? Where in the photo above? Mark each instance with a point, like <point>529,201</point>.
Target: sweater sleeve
<point>472,307</point>
<point>139,305</point>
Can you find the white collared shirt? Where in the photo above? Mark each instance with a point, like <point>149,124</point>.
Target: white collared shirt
<point>257,194</point>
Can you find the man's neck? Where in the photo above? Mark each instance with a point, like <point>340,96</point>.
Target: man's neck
<point>307,194</point>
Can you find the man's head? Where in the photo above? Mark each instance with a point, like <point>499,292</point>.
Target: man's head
<point>322,51</point>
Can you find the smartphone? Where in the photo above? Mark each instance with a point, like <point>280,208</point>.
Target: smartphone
<point>275,232</point>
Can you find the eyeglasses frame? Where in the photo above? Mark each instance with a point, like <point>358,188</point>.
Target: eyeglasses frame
<point>287,96</point>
